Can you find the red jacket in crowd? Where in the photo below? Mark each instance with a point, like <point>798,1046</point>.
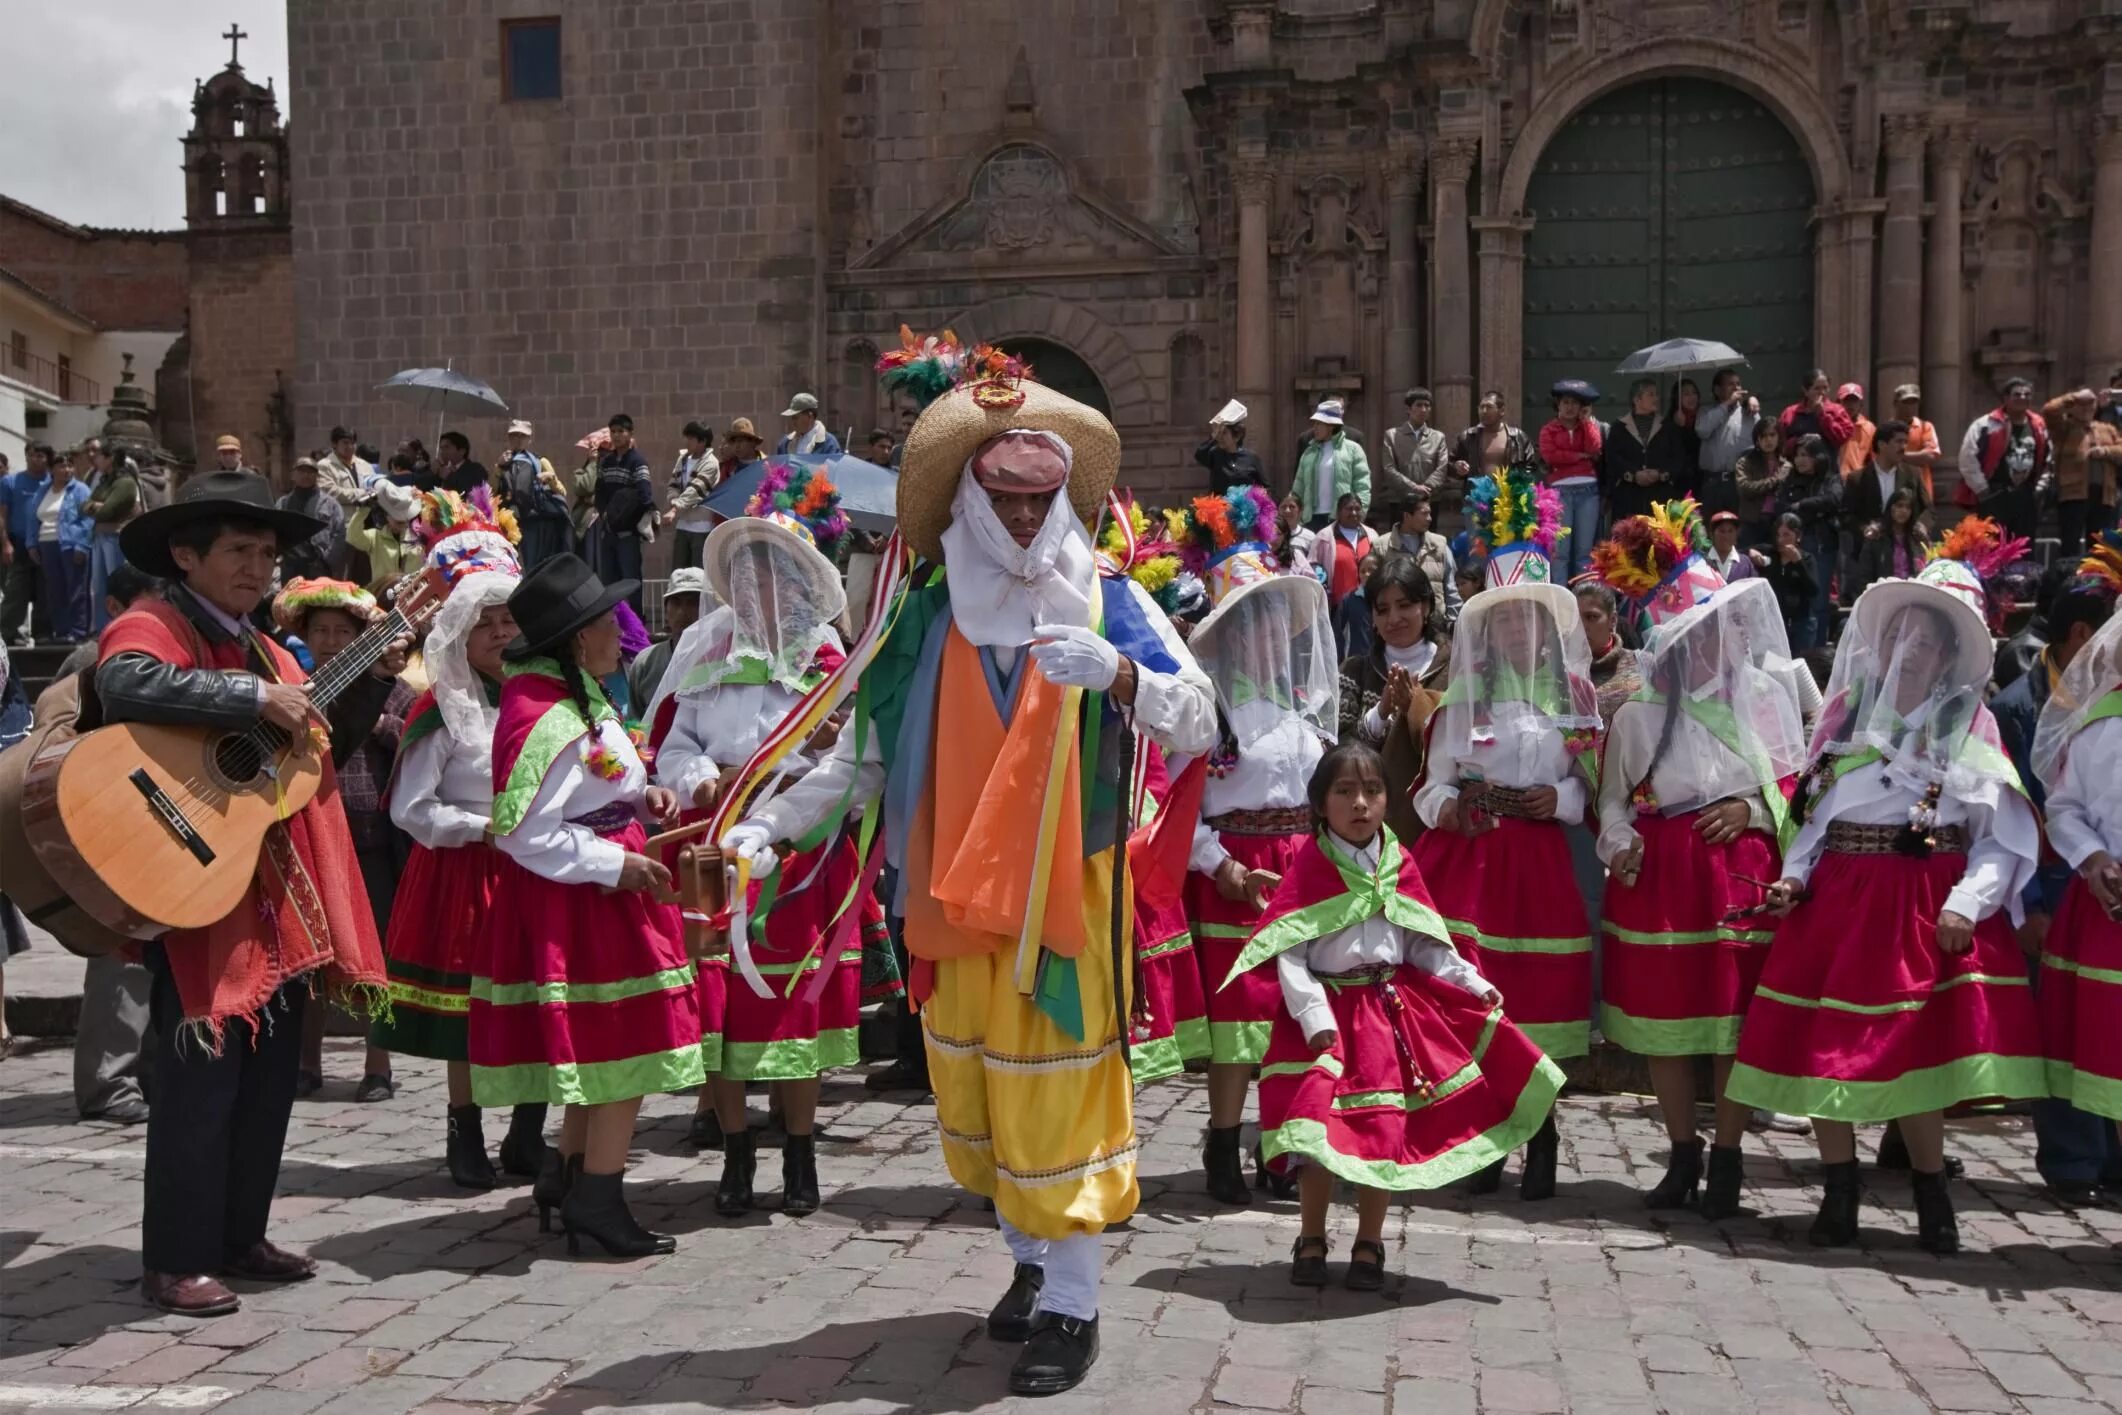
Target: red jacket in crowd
<point>1835,425</point>
<point>1571,451</point>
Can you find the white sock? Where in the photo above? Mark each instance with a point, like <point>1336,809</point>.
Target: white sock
<point>1030,1251</point>
<point>1073,1268</point>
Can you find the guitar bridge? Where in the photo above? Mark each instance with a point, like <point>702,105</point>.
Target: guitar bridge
<point>158,800</point>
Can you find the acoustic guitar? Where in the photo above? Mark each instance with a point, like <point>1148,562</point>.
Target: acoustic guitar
<point>153,827</point>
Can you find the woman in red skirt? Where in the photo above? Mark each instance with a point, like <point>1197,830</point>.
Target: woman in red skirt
<point>2078,756</point>
<point>1692,811</point>
<point>1513,751</point>
<point>737,674</point>
<point>1171,1011</point>
<point>1895,988</point>
<point>1391,1064</point>
<point>584,994</point>
<point>1268,647</point>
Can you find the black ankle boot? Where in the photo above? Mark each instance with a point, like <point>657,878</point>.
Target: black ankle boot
<point>523,1147</point>
<point>1011,1318</point>
<point>1486,1180</point>
<point>1682,1173</point>
<point>1280,1186</point>
<point>596,1205</point>
<point>1720,1196</point>
<point>1226,1171</point>
<point>1836,1224</point>
<point>469,1168</point>
<point>799,1175</point>
<point>1541,1155</point>
<point>740,1161</point>
<point>555,1177</point>
<point>1937,1231</point>
<point>1057,1357</point>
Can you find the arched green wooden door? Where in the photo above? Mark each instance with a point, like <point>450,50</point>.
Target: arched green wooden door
<point>1673,208</point>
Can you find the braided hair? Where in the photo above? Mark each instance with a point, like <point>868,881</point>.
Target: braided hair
<point>572,674</point>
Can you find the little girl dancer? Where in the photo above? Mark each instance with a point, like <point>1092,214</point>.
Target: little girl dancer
<point>1391,1065</point>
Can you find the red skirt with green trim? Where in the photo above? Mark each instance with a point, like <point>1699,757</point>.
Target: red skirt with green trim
<point>580,995</point>
<point>1509,898</point>
<point>746,1037</point>
<point>437,918</point>
<point>1239,1016</point>
<point>1171,1014</point>
<point>1424,1084</point>
<point>2079,997</point>
<point>1860,1017</point>
<point>1674,977</point>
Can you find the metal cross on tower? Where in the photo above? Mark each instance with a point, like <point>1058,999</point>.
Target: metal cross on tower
<point>234,37</point>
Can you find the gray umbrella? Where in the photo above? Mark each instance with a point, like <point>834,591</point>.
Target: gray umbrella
<point>1682,356</point>
<point>442,390</point>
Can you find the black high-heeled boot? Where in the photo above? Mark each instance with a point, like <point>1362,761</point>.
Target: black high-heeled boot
<point>799,1175</point>
<point>555,1177</point>
<point>1682,1173</point>
<point>1720,1195</point>
<point>1225,1171</point>
<point>1486,1180</point>
<point>469,1168</point>
<point>1542,1153</point>
<point>596,1206</point>
<point>1937,1231</point>
<point>523,1147</point>
<point>740,1161</point>
<point>1280,1186</point>
<point>1835,1226</point>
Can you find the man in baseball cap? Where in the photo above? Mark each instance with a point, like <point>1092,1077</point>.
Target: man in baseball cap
<point>228,453</point>
<point>806,436</point>
<point>1856,452</point>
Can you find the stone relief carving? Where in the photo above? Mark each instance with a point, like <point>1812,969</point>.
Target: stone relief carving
<point>1021,201</point>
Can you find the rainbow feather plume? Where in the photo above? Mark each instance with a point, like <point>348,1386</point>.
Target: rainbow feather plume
<point>1153,562</point>
<point>805,493</point>
<point>1643,552</point>
<point>1213,526</point>
<point>925,366</point>
<point>1512,510</point>
<point>2103,560</point>
<point>1981,545</point>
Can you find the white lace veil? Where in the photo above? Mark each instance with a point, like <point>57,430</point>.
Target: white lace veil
<point>2085,684</point>
<point>1519,663</point>
<point>1722,666</point>
<point>1270,655</point>
<point>466,715</point>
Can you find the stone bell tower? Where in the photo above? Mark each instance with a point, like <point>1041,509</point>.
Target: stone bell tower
<point>235,156</point>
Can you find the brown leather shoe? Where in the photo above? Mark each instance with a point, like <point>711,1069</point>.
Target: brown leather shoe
<point>188,1294</point>
<point>269,1262</point>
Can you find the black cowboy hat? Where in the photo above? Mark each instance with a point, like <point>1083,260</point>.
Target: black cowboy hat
<point>215,496</point>
<point>555,600</point>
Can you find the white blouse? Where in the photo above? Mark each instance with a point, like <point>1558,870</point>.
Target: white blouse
<point>2085,803</point>
<point>442,798</point>
<point>720,728</point>
<point>1374,941</point>
<point>1629,744</point>
<point>548,844</point>
<point>1519,758</point>
<point>2005,837</point>
<point>1271,775</point>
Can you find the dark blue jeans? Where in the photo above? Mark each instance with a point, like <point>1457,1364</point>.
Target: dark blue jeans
<point>1823,545</point>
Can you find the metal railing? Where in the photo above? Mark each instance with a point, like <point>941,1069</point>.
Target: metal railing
<point>56,379</point>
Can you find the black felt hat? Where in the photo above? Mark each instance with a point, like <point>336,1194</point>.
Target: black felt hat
<point>554,600</point>
<point>215,496</point>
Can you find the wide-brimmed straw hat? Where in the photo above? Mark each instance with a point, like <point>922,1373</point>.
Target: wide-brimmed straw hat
<point>559,597</point>
<point>215,496</point>
<point>959,422</point>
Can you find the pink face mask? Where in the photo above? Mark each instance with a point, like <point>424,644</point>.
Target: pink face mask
<point>1021,464</point>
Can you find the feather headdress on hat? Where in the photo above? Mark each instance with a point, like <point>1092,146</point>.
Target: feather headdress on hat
<point>2103,560</point>
<point>1642,552</point>
<point>1143,551</point>
<point>928,366</point>
<point>1512,511</point>
<point>1982,547</point>
<point>301,596</point>
<point>1215,526</point>
<point>460,541</point>
<point>804,494</point>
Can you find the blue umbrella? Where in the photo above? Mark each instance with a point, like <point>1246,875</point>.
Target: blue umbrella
<point>869,494</point>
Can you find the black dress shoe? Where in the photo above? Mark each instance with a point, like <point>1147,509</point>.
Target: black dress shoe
<point>2078,1196</point>
<point>308,1083</point>
<point>373,1087</point>
<point>1011,1318</point>
<point>1057,1356</point>
<point>899,1076</point>
<point>131,1110</point>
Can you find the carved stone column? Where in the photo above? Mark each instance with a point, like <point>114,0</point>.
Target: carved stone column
<point>2103,325</point>
<point>1451,302</point>
<point>1254,184</point>
<point>1901,257</point>
<point>1502,252</point>
<point>1403,184</point>
<point>1944,297</point>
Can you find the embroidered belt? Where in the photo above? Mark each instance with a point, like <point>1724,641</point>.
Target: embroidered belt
<point>1282,820</point>
<point>1359,978</point>
<point>1380,976</point>
<point>1846,838</point>
<point>607,820</point>
<point>1500,800</point>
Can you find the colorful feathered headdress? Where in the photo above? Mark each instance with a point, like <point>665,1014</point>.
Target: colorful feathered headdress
<point>1131,544</point>
<point>295,602</point>
<point>1972,562</point>
<point>1215,527</point>
<point>2103,560</point>
<point>460,541</point>
<point>804,494</point>
<point>1516,525</point>
<point>929,366</point>
<point>1655,563</point>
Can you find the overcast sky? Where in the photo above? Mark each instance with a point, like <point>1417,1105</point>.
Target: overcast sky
<point>99,96</point>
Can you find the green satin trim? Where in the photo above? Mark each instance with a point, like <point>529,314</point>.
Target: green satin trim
<point>560,727</point>
<point>2102,1095</point>
<point>495,994</point>
<point>2051,963</point>
<point>588,1083</point>
<point>1560,1039</point>
<point>790,1059</point>
<point>1366,894</point>
<point>1670,1036</point>
<point>1984,1076</point>
<point>1519,945</point>
<point>1716,935</point>
<point>1882,1009</point>
<point>1238,1043</point>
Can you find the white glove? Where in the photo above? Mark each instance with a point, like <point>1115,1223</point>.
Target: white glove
<point>1074,658</point>
<point>752,843</point>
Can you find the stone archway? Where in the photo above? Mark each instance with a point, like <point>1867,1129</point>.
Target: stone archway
<point>1102,348</point>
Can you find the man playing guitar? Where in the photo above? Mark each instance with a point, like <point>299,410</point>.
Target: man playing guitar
<point>227,1000</point>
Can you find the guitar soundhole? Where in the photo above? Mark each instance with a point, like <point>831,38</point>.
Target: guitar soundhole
<point>237,759</point>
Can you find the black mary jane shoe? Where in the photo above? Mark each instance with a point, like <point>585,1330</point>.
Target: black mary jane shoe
<point>522,1149</point>
<point>1720,1192</point>
<point>1542,1154</point>
<point>1366,1266</point>
<point>469,1168</point>
<point>1309,1270</point>
<point>1683,1172</point>
<point>1835,1226</point>
<point>1011,1319</point>
<point>1224,1166</point>
<point>1057,1356</point>
<point>1937,1230</point>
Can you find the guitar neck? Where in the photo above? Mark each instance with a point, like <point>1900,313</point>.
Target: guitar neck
<point>357,658</point>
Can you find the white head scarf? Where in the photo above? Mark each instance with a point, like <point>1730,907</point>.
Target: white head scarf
<point>1000,590</point>
<point>2083,687</point>
<point>466,715</point>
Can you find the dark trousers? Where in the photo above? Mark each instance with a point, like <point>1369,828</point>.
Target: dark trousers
<point>216,1128</point>
<point>2075,520</point>
<point>688,550</point>
<point>63,587</point>
<point>2073,1146</point>
<point>910,1049</point>
<point>2012,507</point>
<point>21,601</point>
<point>615,557</point>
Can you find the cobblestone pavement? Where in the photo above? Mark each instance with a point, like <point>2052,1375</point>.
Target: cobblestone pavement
<point>434,1300</point>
